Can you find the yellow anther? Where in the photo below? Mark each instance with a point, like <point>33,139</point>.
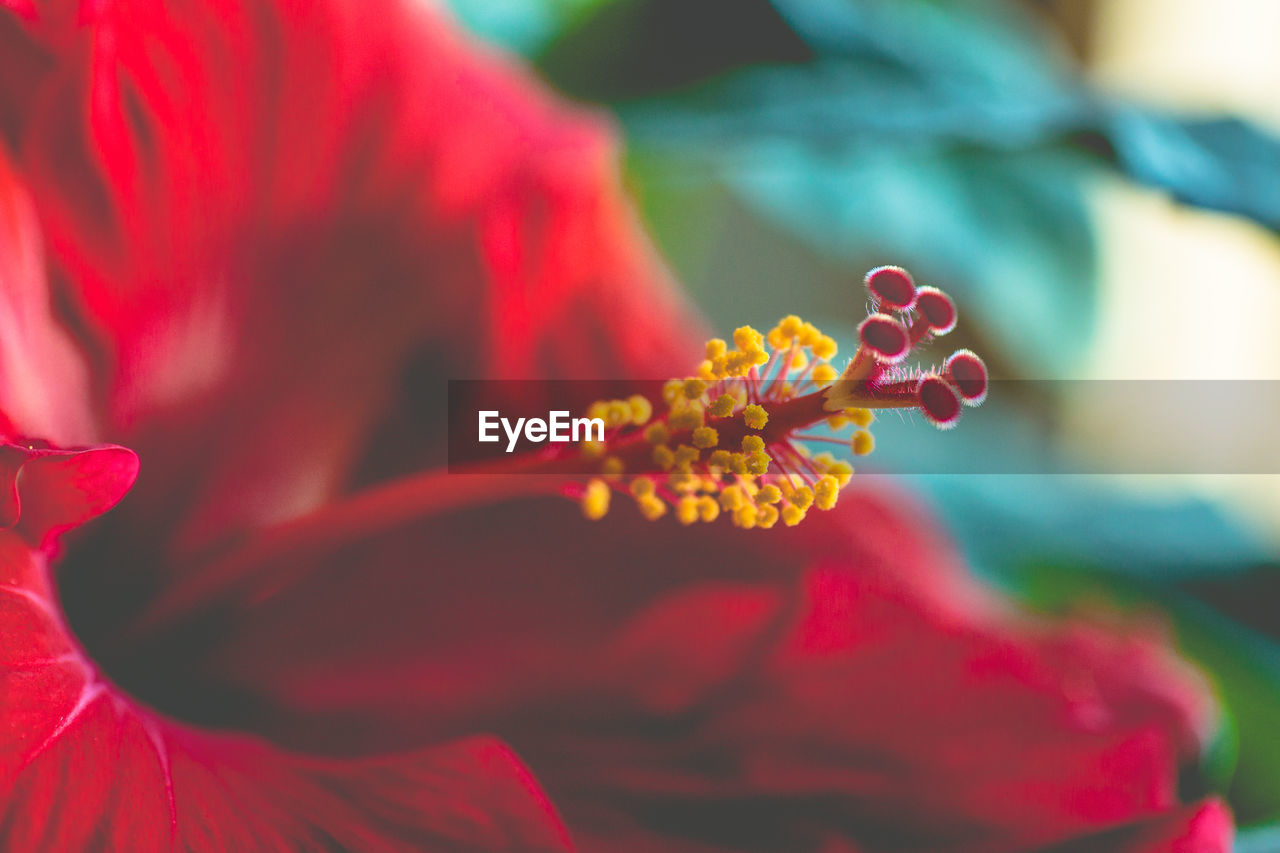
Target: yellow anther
<point>705,437</point>
<point>683,482</point>
<point>592,449</point>
<point>755,416</point>
<point>707,370</point>
<point>825,492</point>
<point>732,499</point>
<point>716,348</point>
<point>768,494</point>
<point>612,468</point>
<point>799,361</point>
<point>619,413</point>
<point>672,390</point>
<point>860,417</point>
<point>780,335</point>
<point>825,374</point>
<point>598,409</point>
<point>737,364</point>
<point>808,335</point>
<point>752,443</point>
<point>595,500</point>
<point>686,456</point>
<point>719,458</point>
<point>825,348</point>
<point>803,497</point>
<point>651,507</point>
<point>708,508</point>
<point>687,510</point>
<point>837,422</point>
<point>694,388</point>
<point>842,471</point>
<point>737,463</point>
<point>766,516</point>
<point>664,457</point>
<point>792,515</point>
<point>688,417</point>
<point>641,409</point>
<point>748,340</point>
<point>657,433</point>
<point>642,486</point>
<point>723,406</point>
<point>758,462</point>
<point>862,443</point>
<point>745,516</point>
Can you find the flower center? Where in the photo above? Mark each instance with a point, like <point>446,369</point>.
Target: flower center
<point>732,438</point>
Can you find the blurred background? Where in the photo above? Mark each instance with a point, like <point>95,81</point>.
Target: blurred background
<point>1098,185</point>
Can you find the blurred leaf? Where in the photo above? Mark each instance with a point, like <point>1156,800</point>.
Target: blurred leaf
<point>521,26</point>
<point>1221,164</point>
<point>633,48</point>
<point>1259,839</point>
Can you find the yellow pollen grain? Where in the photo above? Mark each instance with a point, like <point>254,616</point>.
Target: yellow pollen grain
<point>612,468</point>
<point>837,422</point>
<point>737,463</point>
<point>745,516</point>
<point>803,497</point>
<point>686,456</point>
<point>792,515</point>
<point>755,416</point>
<point>808,335</point>
<point>825,374</point>
<point>657,433</point>
<point>694,388</point>
<point>732,499</point>
<point>747,339</point>
<point>689,417</point>
<point>707,370</point>
<point>705,437</point>
<point>664,457</point>
<point>687,510</point>
<point>758,463</point>
<point>641,409</point>
<point>595,501</point>
<point>618,414</point>
<point>716,348</point>
<point>708,508</point>
<point>651,507</point>
<point>723,406</point>
<point>862,443</point>
<point>825,492</point>
<point>799,361</point>
<point>752,443</point>
<point>842,471</point>
<point>768,494</point>
<point>672,390</point>
<point>825,348</point>
<point>720,459</point>
<point>766,516</point>
<point>860,417</point>
<point>642,486</point>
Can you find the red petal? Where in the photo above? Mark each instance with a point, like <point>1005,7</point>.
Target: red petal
<point>82,768</point>
<point>45,492</point>
<point>43,382</point>
<point>1201,828</point>
<point>280,219</point>
<point>650,672</point>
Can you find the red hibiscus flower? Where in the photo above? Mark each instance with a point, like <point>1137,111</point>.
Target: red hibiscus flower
<point>242,244</point>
